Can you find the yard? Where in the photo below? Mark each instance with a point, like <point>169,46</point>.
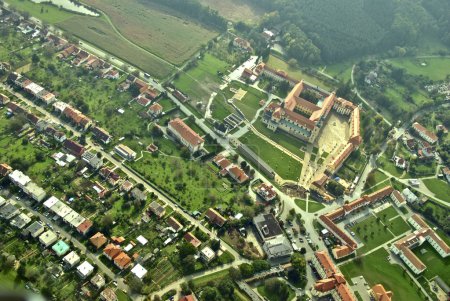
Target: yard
<point>436,265</point>
<point>249,104</point>
<point>377,269</point>
<point>372,233</point>
<point>440,188</point>
<point>284,165</point>
<point>155,29</point>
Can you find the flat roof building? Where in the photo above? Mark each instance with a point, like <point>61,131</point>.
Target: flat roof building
<point>20,221</point>
<point>71,259</point>
<point>35,229</point>
<point>125,152</point>
<point>267,226</point>
<point>60,248</point>
<point>85,269</point>
<point>48,238</point>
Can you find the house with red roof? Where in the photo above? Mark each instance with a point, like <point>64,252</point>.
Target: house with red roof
<point>187,136</point>
<point>215,217</point>
<point>190,238</point>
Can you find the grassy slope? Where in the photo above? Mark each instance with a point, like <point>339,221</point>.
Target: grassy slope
<point>285,166</point>
<point>376,269</point>
<point>436,68</point>
<point>440,188</point>
<point>168,36</point>
<point>235,10</point>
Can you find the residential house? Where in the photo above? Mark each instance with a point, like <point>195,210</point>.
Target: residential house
<point>19,179</point>
<point>111,251</point>
<point>237,174</point>
<point>122,261</point>
<point>108,294</point>
<point>92,159</point>
<point>126,186</point>
<point>125,152</point>
<point>85,227</point>
<point>138,194</point>
<point>98,240</point>
<point>207,254</point>
<point>3,99</point>
<point>108,174</point>
<point>35,229</point>
<point>60,248</point>
<point>155,110</point>
<point>55,134</point>
<point>445,172</point>
<point>85,269</point>
<point>185,135</point>
<point>190,238</point>
<point>71,259</point>
<point>266,192</point>
<point>20,221</point>
<point>399,162</point>
<point>242,44</point>
<point>101,135</point>
<point>215,217</point>
<point>174,224</point>
<point>111,74</point>
<point>74,148</point>
<point>139,271</point>
<point>98,281</point>
<point>48,238</point>
<point>188,298</point>
<point>5,170</point>
<point>157,209</point>
<point>77,118</point>
<point>8,211</point>
<point>35,192</point>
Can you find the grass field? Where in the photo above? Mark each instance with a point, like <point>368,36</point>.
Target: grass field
<point>376,269</point>
<point>235,10</point>
<point>199,82</point>
<point>341,71</point>
<point>249,104</point>
<point>220,108</point>
<point>387,214</point>
<point>435,68</point>
<point>372,233</point>
<point>285,166</point>
<point>169,36</point>
<point>440,188</point>
<point>287,141</point>
<point>296,73</point>
<point>436,265</point>
<point>312,206</point>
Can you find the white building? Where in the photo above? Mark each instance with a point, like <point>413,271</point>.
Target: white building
<point>85,269</point>
<point>409,195</point>
<point>398,198</point>
<point>139,271</point>
<point>71,259</point>
<point>125,152</point>
<point>34,191</point>
<point>19,178</point>
<point>207,254</point>
<point>48,238</point>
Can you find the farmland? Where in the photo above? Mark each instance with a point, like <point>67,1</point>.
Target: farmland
<point>235,10</point>
<point>164,34</point>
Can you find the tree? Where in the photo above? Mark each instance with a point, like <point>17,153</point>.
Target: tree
<point>235,273</point>
<point>226,288</point>
<point>106,222</point>
<point>210,293</point>
<point>260,265</point>
<point>35,58</point>
<point>185,289</point>
<point>215,245</point>
<point>246,270</point>
<point>278,288</point>
<point>188,264</point>
<point>135,285</point>
<point>298,267</point>
<point>186,249</point>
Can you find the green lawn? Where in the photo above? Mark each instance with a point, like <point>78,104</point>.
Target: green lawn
<point>287,141</point>
<point>250,102</point>
<point>389,166</point>
<point>312,205</point>
<point>220,108</point>
<point>191,123</point>
<point>277,63</point>
<point>285,166</point>
<point>201,281</point>
<point>341,71</point>
<point>372,233</point>
<point>440,188</point>
<point>387,214</point>
<point>435,68</point>
<point>398,226</point>
<point>436,265</point>
<point>167,104</point>
<point>376,269</point>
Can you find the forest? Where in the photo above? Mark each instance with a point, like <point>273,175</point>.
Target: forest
<point>331,31</point>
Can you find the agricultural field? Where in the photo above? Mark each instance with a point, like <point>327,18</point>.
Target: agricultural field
<point>235,10</point>
<point>277,63</point>
<point>440,188</point>
<point>285,166</point>
<point>435,68</point>
<point>163,33</point>
<point>377,269</point>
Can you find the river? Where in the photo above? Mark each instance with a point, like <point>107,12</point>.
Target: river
<point>70,6</point>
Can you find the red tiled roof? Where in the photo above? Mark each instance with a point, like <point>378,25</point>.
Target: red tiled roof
<point>98,240</point>
<point>186,132</point>
<point>112,251</point>
<point>238,174</point>
<point>156,107</point>
<point>188,298</point>
<point>215,217</point>
<point>85,226</point>
<point>326,263</point>
<point>122,260</point>
<point>380,293</point>
<point>190,238</point>
<point>174,223</point>
<point>420,128</point>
